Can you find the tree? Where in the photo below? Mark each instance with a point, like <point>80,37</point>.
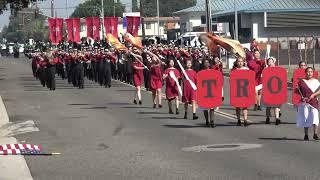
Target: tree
<point>14,5</point>
<point>24,26</point>
<point>167,7</point>
<point>92,8</point>
<point>135,6</point>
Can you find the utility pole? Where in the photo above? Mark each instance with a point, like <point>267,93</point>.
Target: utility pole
<point>52,8</point>
<point>142,19</point>
<point>208,15</point>
<point>158,17</point>
<point>235,21</point>
<point>67,9</point>
<point>102,18</point>
<point>114,7</point>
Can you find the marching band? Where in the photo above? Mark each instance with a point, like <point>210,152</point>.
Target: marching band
<point>177,68</point>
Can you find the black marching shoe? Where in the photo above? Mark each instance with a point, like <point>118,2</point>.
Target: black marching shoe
<point>160,106</point>
<point>267,120</point>
<point>239,122</point>
<point>255,107</point>
<point>259,108</point>
<point>212,124</point>
<point>195,117</point>
<point>315,137</point>
<point>154,106</point>
<point>306,138</point>
<point>278,121</point>
<point>134,101</point>
<point>170,111</point>
<point>140,102</point>
<point>207,124</point>
<point>185,116</point>
<point>177,111</point>
<point>246,124</point>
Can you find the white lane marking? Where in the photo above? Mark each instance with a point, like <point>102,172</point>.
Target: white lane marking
<point>4,118</point>
<point>11,129</point>
<point>226,115</point>
<point>12,167</point>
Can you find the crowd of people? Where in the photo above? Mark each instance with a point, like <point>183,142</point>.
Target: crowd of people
<point>156,66</point>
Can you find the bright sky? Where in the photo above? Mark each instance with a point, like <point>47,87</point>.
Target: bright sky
<point>60,6</point>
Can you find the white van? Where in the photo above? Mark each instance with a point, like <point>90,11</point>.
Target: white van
<point>193,37</point>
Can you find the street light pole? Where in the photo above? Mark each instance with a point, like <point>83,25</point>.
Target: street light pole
<point>102,20</point>
<point>114,7</point>
<point>158,17</point>
<point>67,9</point>
<point>208,15</point>
<point>235,21</point>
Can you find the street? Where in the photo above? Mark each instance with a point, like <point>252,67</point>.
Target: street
<point>102,135</point>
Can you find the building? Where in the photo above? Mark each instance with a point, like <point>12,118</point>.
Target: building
<point>262,18</point>
<point>151,26</point>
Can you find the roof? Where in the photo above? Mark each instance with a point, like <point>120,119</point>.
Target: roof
<point>216,6</point>
<point>286,6</point>
<point>225,7</point>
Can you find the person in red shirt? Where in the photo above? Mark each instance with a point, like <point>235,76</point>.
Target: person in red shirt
<point>189,95</point>
<point>257,65</point>
<point>138,77</point>
<point>155,79</point>
<point>172,85</point>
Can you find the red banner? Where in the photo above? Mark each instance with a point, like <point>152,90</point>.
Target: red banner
<point>242,88</point>
<point>55,29</point>
<point>59,30</point>
<point>209,92</point>
<point>89,24</point>
<point>133,23</point>
<point>69,24</point>
<point>96,28</point>
<point>297,76</point>
<point>76,30</point>
<point>111,26</point>
<point>52,27</point>
<point>274,86</point>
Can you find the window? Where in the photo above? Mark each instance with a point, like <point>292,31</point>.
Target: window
<point>203,20</point>
<point>148,25</point>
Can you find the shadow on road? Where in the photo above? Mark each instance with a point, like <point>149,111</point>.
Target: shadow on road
<point>281,139</point>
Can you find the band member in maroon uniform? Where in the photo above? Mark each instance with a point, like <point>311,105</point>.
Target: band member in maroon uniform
<point>241,65</point>
<point>271,63</point>
<point>155,79</point>
<point>138,77</point>
<point>257,65</point>
<point>171,85</point>
<point>189,95</point>
<point>308,114</point>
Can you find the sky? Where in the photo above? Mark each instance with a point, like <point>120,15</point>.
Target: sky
<point>60,8</point>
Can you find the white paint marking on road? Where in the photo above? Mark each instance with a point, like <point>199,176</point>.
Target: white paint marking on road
<point>226,115</point>
<point>4,118</point>
<point>221,147</point>
<point>20,128</point>
<point>12,167</point>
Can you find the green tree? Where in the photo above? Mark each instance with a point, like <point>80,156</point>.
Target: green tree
<point>92,8</point>
<point>167,7</point>
<point>24,26</point>
<point>135,7</point>
<point>14,5</point>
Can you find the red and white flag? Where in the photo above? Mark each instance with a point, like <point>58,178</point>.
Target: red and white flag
<point>133,23</point>
<point>96,28</point>
<point>55,30</point>
<point>89,24</point>
<point>111,26</point>
<point>20,149</point>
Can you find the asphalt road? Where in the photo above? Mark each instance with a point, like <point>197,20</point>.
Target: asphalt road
<point>102,135</point>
